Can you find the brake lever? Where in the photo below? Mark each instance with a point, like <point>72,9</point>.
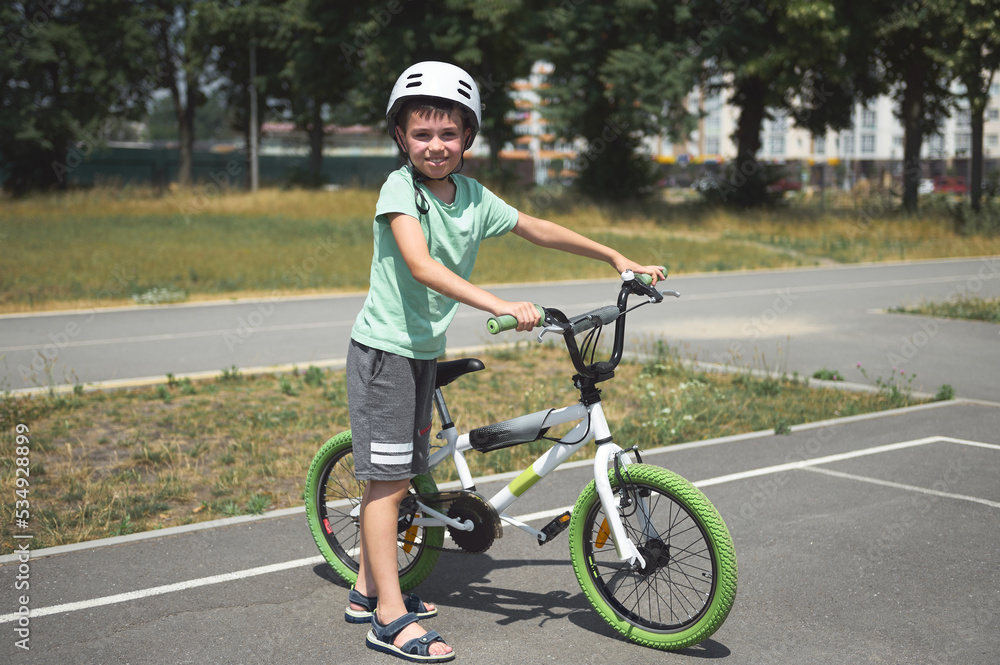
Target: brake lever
<point>550,329</point>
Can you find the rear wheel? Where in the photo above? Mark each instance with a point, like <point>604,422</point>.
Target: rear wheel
<point>688,584</point>
<point>333,499</point>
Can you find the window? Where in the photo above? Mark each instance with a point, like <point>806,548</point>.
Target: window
<point>992,114</point>
<point>848,144</point>
<point>868,119</point>
<point>776,145</point>
<point>820,145</point>
<point>712,145</point>
<point>991,141</point>
<point>897,141</point>
<point>868,144</point>
<point>935,144</point>
<point>963,143</point>
<point>963,118</point>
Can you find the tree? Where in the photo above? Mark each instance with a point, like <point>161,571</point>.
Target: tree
<point>70,73</point>
<point>912,45</point>
<point>322,63</point>
<point>263,26</point>
<point>485,37</point>
<point>622,70</point>
<point>184,61</point>
<point>800,58</point>
<point>975,61</point>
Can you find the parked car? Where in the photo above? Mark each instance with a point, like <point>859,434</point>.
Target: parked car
<point>947,184</point>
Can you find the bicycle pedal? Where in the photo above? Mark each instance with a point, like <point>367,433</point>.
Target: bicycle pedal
<point>555,527</point>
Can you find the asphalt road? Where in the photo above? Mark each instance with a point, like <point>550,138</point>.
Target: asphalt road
<point>797,320</point>
<point>880,547</point>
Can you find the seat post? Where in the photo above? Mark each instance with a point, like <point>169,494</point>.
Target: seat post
<point>442,409</point>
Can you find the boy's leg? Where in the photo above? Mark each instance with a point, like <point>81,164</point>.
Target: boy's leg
<point>365,584</point>
<point>379,519</point>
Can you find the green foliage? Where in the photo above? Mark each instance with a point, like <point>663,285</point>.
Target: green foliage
<point>827,375</point>
<point>71,73</point>
<point>944,393</point>
<point>622,70</point>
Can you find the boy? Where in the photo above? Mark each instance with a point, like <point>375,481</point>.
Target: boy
<point>428,226</point>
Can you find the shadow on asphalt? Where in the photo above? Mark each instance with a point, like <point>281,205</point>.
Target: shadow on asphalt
<point>463,587</point>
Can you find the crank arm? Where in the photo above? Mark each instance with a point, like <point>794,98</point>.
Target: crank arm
<point>437,517</point>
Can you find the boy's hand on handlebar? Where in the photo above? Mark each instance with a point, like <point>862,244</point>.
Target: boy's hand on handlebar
<point>525,312</point>
<point>657,272</point>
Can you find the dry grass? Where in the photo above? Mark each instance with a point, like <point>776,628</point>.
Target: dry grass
<point>106,464</point>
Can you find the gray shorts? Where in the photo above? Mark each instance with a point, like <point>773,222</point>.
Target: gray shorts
<point>390,399</point>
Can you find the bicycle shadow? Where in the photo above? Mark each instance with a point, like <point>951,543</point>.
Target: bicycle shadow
<point>468,587</point>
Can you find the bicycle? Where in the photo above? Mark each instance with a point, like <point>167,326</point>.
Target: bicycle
<point>650,551</point>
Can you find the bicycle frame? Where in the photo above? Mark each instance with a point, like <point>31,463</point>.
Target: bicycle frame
<point>593,425</point>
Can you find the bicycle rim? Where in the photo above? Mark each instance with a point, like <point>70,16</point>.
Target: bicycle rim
<point>688,586</point>
<point>333,495</point>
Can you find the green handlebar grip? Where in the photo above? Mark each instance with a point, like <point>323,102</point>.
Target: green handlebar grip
<point>499,324</point>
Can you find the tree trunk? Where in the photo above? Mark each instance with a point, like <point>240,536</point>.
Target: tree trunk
<point>746,181</point>
<point>912,110</point>
<point>185,129</point>
<point>976,175</point>
<point>316,145</point>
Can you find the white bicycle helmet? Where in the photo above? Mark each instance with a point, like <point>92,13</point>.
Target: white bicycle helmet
<point>436,79</point>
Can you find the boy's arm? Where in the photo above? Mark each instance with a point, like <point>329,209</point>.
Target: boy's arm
<point>553,236</point>
<point>413,246</point>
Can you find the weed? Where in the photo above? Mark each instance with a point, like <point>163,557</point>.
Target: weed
<point>314,377</point>
<point>286,387</point>
<point>257,504</point>
<point>230,375</point>
<point>944,393</point>
<point>827,375</point>
<point>896,388</point>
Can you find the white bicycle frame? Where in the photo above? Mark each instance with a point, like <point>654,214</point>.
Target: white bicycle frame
<point>593,425</point>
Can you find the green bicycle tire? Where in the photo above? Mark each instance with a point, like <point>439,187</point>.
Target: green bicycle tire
<point>337,535</point>
<point>701,524</point>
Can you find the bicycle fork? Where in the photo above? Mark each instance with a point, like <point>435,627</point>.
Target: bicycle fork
<point>627,551</point>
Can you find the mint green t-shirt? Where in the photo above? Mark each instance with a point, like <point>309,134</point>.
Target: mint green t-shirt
<point>400,314</point>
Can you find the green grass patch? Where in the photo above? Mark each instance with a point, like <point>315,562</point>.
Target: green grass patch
<point>971,308</point>
<point>112,463</point>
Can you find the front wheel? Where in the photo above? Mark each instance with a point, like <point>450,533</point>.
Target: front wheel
<point>333,498</point>
<point>687,587</point>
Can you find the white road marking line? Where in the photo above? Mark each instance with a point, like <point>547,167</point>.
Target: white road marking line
<point>778,468</point>
<point>167,588</point>
<point>901,486</point>
<point>172,336</point>
<point>789,466</point>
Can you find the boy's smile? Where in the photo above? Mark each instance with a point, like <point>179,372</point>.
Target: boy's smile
<point>435,142</point>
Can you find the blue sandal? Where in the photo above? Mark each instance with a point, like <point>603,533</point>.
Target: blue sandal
<point>417,650</point>
<point>412,603</point>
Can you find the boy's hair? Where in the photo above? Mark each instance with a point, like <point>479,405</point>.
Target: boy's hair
<point>435,107</point>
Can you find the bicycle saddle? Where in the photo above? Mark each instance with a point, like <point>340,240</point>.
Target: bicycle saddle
<point>449,370</point>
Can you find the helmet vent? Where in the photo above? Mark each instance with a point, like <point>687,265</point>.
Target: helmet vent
<point>464,93</point>
<point>414,84</point>
<point>465,83</point>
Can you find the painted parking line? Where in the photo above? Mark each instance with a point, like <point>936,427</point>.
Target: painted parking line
<point>807,464</point>
<point>902,486</point>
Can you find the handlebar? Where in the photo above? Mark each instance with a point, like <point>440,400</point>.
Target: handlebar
<point>602,316</point>
<point>555,321</point>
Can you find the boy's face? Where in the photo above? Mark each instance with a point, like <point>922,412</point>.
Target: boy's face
<point>435,142</point>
